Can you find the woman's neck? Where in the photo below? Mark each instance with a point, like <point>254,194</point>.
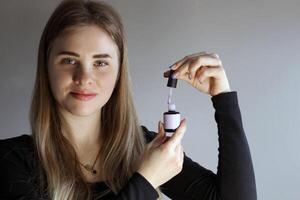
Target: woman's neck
<point>84,132</point>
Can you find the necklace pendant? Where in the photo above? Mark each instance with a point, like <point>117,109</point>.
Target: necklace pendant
<point>90,169</point>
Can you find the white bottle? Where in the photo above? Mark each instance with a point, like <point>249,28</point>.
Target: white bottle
<point>171,120</point>
<point>172,117</point>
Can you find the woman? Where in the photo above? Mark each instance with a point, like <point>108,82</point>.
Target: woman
<point>86,140</point>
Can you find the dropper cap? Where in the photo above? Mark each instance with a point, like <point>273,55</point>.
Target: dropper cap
<point>172,82</point>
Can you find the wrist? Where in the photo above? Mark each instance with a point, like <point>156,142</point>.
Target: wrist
<point>215,93</point>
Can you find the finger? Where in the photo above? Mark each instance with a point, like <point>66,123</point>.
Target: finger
<point>214,55</point>
<point>161,130</point>
<point>185,70</point>
<point>168,73</point>
<point>179,63</point>
<point>159,137</point>
<point>207,60</point>
<point>177,136</point>
<point>182,71</point>
<point>206,72</point>
<point>192,69</point>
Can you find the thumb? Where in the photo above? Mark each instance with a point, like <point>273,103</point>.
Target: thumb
<point>160,135</point>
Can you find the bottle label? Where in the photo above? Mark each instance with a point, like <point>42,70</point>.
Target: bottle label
<point>171,121</point>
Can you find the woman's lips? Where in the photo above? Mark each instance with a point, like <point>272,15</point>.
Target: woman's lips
<point>83,97</point>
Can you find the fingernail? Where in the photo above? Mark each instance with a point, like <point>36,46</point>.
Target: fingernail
<point>171,66</point>
<point>190,76</point>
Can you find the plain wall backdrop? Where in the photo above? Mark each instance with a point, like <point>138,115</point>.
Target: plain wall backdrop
<point>258,42</point>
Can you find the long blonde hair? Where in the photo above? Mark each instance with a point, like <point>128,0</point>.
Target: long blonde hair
<point>123,140</point>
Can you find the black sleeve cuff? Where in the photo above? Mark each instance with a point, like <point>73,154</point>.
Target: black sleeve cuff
<point>225,101</point>
<point>147,187</point>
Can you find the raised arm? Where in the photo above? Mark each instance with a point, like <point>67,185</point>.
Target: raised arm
<point>235,176</point>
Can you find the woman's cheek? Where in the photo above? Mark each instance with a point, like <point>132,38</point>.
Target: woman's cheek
<point>104,81</point>
<point>59,84</point>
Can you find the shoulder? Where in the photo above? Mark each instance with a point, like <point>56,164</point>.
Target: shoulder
<point>149,135</point>
<point>17,141</point>
<point>16,166</point>
<point>15,147</point>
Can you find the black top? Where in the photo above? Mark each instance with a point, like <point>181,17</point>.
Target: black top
<point>234,179</point>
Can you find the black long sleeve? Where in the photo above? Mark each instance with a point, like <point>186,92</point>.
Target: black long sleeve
<point>234,179</point>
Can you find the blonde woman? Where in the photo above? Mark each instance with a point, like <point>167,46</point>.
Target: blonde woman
<point>86,141</point>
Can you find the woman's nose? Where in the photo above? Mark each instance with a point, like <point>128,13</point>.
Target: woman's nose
<point>83,76</point>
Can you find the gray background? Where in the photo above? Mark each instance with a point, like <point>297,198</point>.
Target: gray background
<point>258,42</point>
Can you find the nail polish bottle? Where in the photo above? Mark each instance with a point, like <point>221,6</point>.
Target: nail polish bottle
<point>171,117</point>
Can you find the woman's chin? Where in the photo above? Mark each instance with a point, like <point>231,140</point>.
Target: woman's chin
<point>81,110</point>
<point>86,111</point>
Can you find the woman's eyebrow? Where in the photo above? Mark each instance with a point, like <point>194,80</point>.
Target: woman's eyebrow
<point>104,55</point>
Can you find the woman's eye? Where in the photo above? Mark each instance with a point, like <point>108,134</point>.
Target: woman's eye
<point>101,63</point>
<point>69,61</point>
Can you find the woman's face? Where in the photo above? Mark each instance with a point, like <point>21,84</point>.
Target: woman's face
<point>83,66</point>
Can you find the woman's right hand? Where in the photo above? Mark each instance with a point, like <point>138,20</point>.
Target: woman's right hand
<point>163,159</point>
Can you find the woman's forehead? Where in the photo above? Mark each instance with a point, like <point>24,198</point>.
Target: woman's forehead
<point>85,39</point>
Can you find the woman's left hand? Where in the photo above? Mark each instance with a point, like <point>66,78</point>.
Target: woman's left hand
<point>203,71</point>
